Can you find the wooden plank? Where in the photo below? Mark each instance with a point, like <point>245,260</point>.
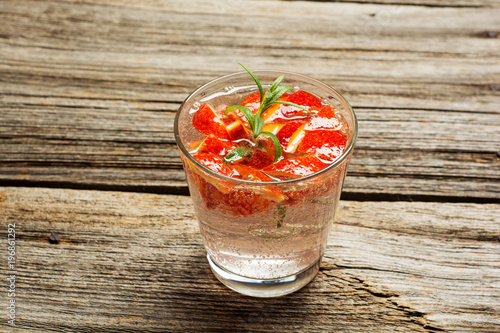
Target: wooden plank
<point>409,153</point>
<point>130,262</point>
<point>88,89</point>
<point>442,234</point>
<point>430,3</point>
<point>162,51</point>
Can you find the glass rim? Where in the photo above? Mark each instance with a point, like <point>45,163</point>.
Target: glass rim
<point>347,152</point>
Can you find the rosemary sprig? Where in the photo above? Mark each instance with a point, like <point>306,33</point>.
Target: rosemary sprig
<point>236,154</point>
<point>256,120</point>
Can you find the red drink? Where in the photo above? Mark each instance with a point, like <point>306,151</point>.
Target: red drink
<point>265,215</point>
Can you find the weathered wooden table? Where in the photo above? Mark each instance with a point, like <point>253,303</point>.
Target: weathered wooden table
<point>88,93</point>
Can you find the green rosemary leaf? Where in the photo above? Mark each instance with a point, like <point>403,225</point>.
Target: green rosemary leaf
<point>272,96</point>
<point>281,210</point>
<point>256,121</point>
<point>236,154</point>
<point>246,111</point>
<point>268,98</point>
<point>276,83</point>
<point>277,145</point>
<point>261,91</point>
<point>259,124</point>
<point>280,92</point>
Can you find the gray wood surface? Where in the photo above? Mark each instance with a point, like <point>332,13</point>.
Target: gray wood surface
<point>88,94</point>
<point>89,89</point>
<point>132,261</point>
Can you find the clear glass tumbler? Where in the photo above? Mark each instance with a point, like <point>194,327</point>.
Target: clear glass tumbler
<point>257,243</point>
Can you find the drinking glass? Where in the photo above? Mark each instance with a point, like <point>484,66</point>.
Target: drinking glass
<point>263,239</point>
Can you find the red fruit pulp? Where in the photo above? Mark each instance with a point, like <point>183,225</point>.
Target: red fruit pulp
<point>214,145</point>
<point>295,167</point>
<point>285,133</point>
<point>214,163</point>
<point>318,138</point>
<point>207,122</point>
<point>302,98</point>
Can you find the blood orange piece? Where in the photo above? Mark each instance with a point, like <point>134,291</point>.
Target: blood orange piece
<point>273,128</point>
<point>252,102</point>
<point>237,130</point>
<point>274,111</point>
<point>259,159</point>
<point>320,136</point>
<point>324,119</point>
<point>301,98</point>
<point>212,144</point>
<point>295,139</point>
<point>295,167</point>
<point>262,155</point>
<point>249,173</point>
<point>240,202</point>
<point>280,111</point>
<point>304,98</point>
<point>218,194</point>
<point>214,163</point>
<point>286,132</point>
<point>207,122</point>
<point>325,144</point>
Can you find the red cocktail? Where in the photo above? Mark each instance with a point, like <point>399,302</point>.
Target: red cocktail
<point>265,169</point>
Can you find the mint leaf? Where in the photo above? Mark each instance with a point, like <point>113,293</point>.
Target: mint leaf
<point>256,81</point>
<point>236,154</point>
<point>277,145</point>
<point>268,96</point>
<point>259,124</point>
<point>281,214</point>
<point>256,121</point>
<point>276,83</point>
<point>280,92</point>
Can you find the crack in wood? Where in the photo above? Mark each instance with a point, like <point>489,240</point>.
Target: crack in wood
<point>182,189</point>
<point>390,298</point>
<point>396,3</point>
<point>417,316</point>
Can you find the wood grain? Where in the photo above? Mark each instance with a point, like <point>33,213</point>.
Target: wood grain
<point>130,262</point>
<point>414,153</point>
<point>430,3</point>
<point>88,94</point>
<point>89,89</point>
<point>163,50</point>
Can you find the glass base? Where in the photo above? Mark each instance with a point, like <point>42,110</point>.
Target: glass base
<point>264,287</point>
